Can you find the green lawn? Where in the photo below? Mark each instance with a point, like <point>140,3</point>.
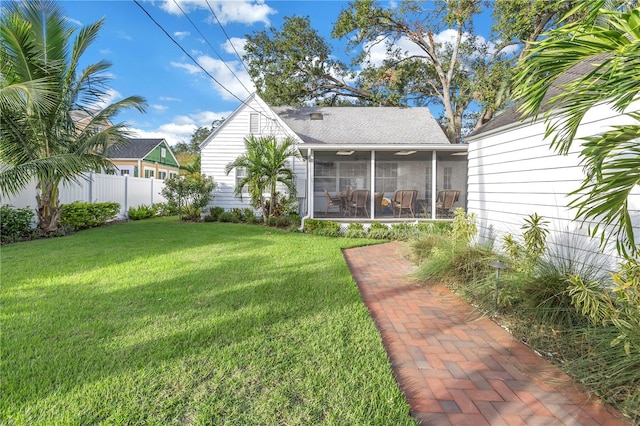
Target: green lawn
<point>163,322</point>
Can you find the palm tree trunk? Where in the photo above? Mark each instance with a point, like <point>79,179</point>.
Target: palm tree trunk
<point>49,208</point>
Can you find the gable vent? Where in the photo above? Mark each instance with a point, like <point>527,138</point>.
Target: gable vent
<point>316,116</point>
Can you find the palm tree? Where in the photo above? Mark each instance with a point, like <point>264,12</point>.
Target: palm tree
<point>55,124</point>
<point>609,41</point>
<point>265,166</point>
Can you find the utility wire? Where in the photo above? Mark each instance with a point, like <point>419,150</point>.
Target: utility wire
<point>228,38</point>
<point>212,48</point>
<point>198,64</point>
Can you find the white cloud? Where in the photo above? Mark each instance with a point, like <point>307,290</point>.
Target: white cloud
<point>124,36</point>
<point>237,43</point>
<point>108,98</point>
<point>181,34</point>
<point>105,52</point>
<point>170,99</point>
<point>181,127</point>
<point>239,11</point>
<point>221,71</point>
<point>159,107</point>
<point>73,21</point>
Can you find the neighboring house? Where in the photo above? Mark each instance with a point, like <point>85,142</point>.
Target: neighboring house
<point>513,173</point>
<point>148,158</point>
<point>376,149</point>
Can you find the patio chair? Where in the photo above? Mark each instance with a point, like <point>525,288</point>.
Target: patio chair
<point>359,201</point>
<point>404,199</point>
<point>332,202</point>
<point>445,201</point>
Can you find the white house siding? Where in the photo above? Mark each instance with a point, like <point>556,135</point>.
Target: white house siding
<point>227,143</point>
<point>514,173</point>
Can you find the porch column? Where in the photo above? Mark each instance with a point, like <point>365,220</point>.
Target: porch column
<point>310,174</point>
<point>372,185</point>
<point>434,195</point>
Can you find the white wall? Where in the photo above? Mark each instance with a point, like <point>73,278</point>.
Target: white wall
<point>226,144</point>
<point>97,188</point>
<point>514,173</point>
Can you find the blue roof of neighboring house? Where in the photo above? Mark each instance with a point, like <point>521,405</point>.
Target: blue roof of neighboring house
<point>137,148</point>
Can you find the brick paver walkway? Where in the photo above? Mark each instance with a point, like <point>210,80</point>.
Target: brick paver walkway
<point>456,367</point>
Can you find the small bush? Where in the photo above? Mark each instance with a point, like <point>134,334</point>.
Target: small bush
<point>355,233</point>
<point>190,213</point>
<point>238,214</point>
<point>214,214</point>
<point>81,215</point>
<point>16,224</point>
<point>322,227</point>
<point>163,209</point>
<point>380,233</point>
<point>284,221</point>
<point>250,216</point>
<point>377,225</point>
<point>228,217</point>
<point>141,212</point>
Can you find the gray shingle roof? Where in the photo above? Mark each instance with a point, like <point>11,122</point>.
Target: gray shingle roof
<point>512,115</point>
<point>137,148</point>
<point>364,125</point>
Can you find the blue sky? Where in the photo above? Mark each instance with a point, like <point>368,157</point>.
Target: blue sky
<point>147,63</point>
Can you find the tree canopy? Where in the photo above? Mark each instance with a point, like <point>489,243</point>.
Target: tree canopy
<point>432,56</point>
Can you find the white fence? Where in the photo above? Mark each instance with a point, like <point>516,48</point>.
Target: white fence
<point>97,188</point>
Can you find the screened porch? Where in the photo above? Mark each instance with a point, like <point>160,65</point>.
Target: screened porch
<point>388,185</point>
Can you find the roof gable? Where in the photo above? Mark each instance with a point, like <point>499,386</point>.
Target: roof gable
<point>512,115</point>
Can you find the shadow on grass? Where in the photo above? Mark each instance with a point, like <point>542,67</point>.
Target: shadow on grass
<point>58,338</point>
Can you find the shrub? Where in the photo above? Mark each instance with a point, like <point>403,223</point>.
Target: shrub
<point>193,191</point>
<point>380,233</point>
<point>214,214</point>
<point>228,217</point>
<point>163,209</point>
<point>378,225</point>
<point>238,214</point>
<point>250,216</point>
<point>81,215</point>
<point>141,212</point>
<point>284,221</point>
<point>15,223</point>
<point>403,231</point>
<point>190,213</point>
<point>322,227</point>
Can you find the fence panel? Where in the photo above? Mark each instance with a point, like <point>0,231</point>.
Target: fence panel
<point>97,188</point>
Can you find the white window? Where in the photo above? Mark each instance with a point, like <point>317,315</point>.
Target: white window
<point>241,173</point>
<point>254,123</point>
<point>149,173</point>
<point>172,174</point>
<point>162,175</point>
<point>124,172</point>
<point>353,175</point>
<point>163,152</point>
<point>448,174</point>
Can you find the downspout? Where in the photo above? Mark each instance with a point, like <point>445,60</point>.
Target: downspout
<point>309,188</point>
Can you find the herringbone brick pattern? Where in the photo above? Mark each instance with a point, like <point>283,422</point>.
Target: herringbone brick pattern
<point>456,367</point>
